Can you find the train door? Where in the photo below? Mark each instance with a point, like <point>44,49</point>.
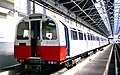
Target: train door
<point>67,40</point>
<point>35,35</point>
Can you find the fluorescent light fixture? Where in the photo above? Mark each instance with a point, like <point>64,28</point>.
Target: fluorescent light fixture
<point>3,10</point>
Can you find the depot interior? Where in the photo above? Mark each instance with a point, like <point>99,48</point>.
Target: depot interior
<point>101,16</point>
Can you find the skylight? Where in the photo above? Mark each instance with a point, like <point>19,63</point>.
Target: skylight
<point>117,17</point>
<point>102,11</point>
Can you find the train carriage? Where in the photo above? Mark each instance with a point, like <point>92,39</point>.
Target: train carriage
<point>44,40</point>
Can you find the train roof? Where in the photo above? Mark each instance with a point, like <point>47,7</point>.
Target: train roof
<point>36,16</point>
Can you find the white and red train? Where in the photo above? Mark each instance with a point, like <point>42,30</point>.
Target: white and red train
<point>43,40</point>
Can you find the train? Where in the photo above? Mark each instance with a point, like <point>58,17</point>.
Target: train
<point>44,40</point>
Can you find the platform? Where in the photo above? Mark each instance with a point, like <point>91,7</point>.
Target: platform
<point>97,64</point>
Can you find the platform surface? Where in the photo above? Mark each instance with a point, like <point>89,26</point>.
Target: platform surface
<point>7,55</point>
<point>93,65</point>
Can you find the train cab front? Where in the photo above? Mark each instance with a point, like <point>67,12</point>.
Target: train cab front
<point>37,41</point>
<point>22,48</point>
<point>27,41</point>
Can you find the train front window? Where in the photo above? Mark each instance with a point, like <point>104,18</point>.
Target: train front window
<point>22,30</point>
<point>49,30</point>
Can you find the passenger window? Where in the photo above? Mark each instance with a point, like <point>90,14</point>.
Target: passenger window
<point>49,30</point>
<point>97,38</point>
<point>91,37</point>
<point>74,35</point>
<point>88,36</point>
<point>80,35</point>
<point>23,30</point>
<point>85,36</point>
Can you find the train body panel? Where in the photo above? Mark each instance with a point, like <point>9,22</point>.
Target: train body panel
<point>22,52</point>
<point>52,53</point>
<point>77,47</point>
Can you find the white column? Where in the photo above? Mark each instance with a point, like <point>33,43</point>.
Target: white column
<point>21,6</point>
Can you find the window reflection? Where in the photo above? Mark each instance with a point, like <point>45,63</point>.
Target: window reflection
<point>49,30</point>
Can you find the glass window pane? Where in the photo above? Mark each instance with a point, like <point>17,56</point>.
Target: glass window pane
<point>88,36</point>
<point>22,30</point>
<point>85,36</point>
<point>49,30</point>
<point>80,36</point>
<point>74,35</point>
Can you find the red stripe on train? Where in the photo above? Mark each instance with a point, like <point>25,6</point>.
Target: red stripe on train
<point>22,51</point>
<point>55,53</point>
